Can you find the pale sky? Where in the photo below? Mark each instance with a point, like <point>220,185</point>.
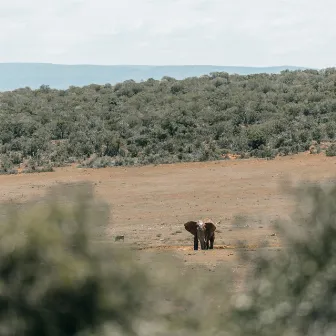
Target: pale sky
<point>169,32</point>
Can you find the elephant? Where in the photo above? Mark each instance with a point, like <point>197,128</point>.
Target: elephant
<point>203,231</point>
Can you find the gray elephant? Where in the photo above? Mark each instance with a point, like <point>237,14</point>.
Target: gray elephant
<point>203,231</point>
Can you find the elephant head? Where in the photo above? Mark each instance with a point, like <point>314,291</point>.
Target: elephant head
<point>203,231</point>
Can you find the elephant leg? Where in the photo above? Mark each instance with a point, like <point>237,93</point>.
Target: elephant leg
<point>195,242</point>
<point>212,240</point>
<point>207,244</point>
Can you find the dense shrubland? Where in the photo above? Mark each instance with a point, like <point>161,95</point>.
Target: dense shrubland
<point>195,119</point>
<point>59,277</point>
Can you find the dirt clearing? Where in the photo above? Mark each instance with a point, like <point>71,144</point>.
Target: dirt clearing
<point>150,204</point>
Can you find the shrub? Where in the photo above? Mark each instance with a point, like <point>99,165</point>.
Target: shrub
<point>256,137</point>
<point>292,292</point>
<point>331,150</point>
<point>57,280</point>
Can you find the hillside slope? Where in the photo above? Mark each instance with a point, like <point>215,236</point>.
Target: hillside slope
<point>195,119</point>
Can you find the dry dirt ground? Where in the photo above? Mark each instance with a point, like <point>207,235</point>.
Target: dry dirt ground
<point>150,204</point>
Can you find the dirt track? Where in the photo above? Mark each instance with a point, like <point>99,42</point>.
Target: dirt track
<point>150,204</point>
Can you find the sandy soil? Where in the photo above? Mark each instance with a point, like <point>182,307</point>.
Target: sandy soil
<point>150,204</point>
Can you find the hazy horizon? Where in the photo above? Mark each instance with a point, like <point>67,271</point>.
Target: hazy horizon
<point>61,76</point>
<point>174,32</point>
<point>168,65</point>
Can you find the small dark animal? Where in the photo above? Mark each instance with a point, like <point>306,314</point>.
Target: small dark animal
<point>121,237</point>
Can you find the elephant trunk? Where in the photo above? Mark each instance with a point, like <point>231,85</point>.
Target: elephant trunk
<point>203,243</point>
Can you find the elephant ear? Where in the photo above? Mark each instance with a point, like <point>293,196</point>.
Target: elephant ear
<point>210,226</point>
<point>191,227</point>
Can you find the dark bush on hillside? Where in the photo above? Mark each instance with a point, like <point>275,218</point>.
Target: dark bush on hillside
<point>331,150</point>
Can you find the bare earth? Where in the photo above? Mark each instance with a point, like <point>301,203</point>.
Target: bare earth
<point>150,204</point>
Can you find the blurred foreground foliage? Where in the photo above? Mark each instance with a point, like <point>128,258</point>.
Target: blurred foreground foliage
<point>59,276</point>
<point>293,292</point>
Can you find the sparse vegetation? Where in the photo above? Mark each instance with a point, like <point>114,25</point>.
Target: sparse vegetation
<point>59,277</point>
<point>195,119</point>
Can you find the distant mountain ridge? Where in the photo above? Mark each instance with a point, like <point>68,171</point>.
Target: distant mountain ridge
<point>61,76</point>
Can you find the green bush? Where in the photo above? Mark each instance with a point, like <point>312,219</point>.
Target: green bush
<point>256,137</point>
<point>331,150</point>
<point>6,165</point>
<point>55,278</point>
<point>292,292</point>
